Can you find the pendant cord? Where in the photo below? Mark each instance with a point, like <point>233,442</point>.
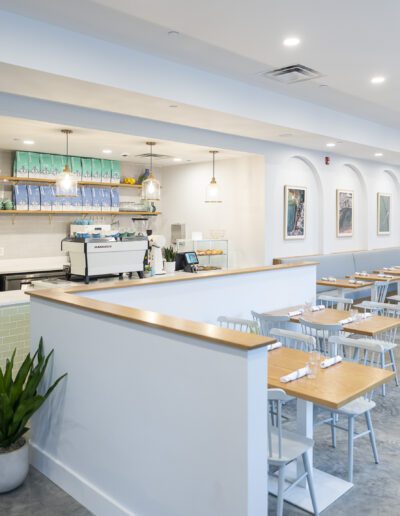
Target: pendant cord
<point>151,158</point>
<point>213,165</point>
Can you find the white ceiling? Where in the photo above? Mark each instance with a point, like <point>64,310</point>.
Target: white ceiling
<point>347,41</point>
<point>88,142</point>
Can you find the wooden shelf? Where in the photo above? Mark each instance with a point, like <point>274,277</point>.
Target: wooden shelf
<point>49,212</point>
<point>11,179</point>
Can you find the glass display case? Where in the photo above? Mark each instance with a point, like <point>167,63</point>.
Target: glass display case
<point>211,253</point>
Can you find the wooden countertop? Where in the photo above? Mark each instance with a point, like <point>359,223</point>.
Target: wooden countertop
<point>210,332</point>
<point>333,387</point>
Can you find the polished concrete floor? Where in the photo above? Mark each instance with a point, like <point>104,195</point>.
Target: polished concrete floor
<point>376,491</point>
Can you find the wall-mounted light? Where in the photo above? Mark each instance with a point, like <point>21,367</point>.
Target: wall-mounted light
<point>212,191</point>
<point>151,188</point>
<point>66,184</point>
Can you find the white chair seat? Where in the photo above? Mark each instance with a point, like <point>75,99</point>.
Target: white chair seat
<point>294,445</point>
<point>357,406</point>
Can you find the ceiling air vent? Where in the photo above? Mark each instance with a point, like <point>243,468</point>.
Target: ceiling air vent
<point>155,156</point>
<point>291,74</point>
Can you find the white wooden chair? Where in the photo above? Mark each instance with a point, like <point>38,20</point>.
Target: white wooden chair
<point>341,303</point>
<point>266,322</point>
<point>294,339</point>
<point>386,339</point>
<point>366,352</point>
<point>235,323</point>
<point>379,291</point>
<point>321,332</point>
<point>285,447</point>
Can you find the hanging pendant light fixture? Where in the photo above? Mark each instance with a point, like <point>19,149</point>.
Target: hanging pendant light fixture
<point>66,184</point>
<point>151,188</point>
<point>212,192</point>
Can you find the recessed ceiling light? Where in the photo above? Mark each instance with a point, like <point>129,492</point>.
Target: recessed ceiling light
<point>174,33</point>
<point>173,106</point>
<point>177,159</point>
<point>379,79</point>
<point>28,142</point>
<point>125,154</point>
<point>331,144</point>
<point>107,151</point>
<point>378,154</point>
<point>291,42</point>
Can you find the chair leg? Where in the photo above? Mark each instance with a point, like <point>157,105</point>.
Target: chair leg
<point>333,430</point>
<point>372,436</point>
<point>383,364</point>
<point>310,480</point>
<point>281,488</point>
<point>394,368</point>
<point>350,448</point>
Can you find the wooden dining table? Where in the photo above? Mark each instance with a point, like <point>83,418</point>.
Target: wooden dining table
<point>343,284</point>
<point>370,327</point>
<point>331,388</point>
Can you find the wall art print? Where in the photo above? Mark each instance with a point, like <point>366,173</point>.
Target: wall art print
<point>344,213</point>
<point>384,206</point>
<point>295,212</point>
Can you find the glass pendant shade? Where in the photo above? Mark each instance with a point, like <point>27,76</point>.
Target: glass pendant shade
<point>213,191</point>
<point>151,188</point>
<point>66,184</point>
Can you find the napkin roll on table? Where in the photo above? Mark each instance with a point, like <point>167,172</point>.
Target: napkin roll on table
<point>295,375</point>
<point>275,345</point>
<point>331,361</point>
<point>296,312</point>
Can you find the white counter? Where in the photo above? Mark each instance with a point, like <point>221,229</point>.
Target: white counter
<point>13,297</point>
<point>46,263</point>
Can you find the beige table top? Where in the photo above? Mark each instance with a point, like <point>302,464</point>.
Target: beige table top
<point>343,283</point>
<point>391,272</point>
<point>333,387</point>
<point>373,277</point>
<point>369,327</point>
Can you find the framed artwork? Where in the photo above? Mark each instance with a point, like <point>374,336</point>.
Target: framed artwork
<point>295,212</point>
<point>383,218</point>
<point>344,213</point>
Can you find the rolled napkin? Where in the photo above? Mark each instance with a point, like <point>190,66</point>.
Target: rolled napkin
<point>363,273</point>
<point>295,375</point>
<point>296,312</point>
<point>331,278</point>
<point>365,315</point>
<point>331,361</point>
<point>316,308</point>
<point>325,278</point>
<point>347,321</point>
<point>275,345</point>
<point>360,282</point>
<point>352,280</point>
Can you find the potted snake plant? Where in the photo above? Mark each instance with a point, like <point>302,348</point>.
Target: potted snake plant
<point>169,255</point>
<point>21,395</point>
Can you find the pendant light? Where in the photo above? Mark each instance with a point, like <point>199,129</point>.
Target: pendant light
<point>66,184</point>
<point>151,188</point>
<point>212,192</point>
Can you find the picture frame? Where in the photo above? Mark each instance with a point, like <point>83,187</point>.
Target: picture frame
<point>383,214</point>
<point>295,207</point>
<point>344,213</point>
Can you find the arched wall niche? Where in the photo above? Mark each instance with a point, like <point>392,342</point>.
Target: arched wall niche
<point>298,171</point>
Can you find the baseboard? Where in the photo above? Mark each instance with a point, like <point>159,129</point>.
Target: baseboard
<point>75,485</point>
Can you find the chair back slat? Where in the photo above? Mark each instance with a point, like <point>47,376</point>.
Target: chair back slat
<point>276,397</point>
<point>321,332</point>
<point>294,339</point>
<point>340,303</point>
<point>266,322</point>
<point>235,323</point>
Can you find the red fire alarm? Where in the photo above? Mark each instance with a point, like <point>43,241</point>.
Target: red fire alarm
<point>327,160</point>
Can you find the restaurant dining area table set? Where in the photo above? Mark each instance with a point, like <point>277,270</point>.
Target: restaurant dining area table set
<point>332,360</point>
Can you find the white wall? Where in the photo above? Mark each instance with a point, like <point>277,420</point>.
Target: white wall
<point>240,214</point>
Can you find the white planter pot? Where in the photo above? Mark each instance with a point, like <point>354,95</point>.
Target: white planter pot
<point>169,267</point>
<point>14,468</point>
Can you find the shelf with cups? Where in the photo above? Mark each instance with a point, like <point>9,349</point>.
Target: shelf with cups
<point>12,180</point>
<point>50,213</point>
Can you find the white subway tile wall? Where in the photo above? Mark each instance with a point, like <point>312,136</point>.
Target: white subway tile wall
<point>14,333</point>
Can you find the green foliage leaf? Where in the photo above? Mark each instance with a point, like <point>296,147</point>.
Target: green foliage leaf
<point>20,397</point>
